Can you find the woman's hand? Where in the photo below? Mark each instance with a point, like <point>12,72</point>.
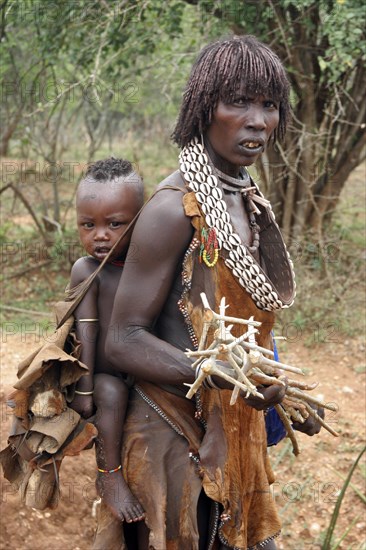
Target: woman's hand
<point>311,426</point>
<point>273,395</point>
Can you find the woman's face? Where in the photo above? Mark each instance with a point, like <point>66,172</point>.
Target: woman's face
<point>240,130</point>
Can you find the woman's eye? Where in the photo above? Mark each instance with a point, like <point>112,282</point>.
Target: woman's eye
<point>241,100</point>
<point>269,104</point>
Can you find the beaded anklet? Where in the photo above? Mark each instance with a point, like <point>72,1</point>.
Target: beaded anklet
<point>109,471</point>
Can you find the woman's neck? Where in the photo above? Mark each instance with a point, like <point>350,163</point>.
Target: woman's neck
<point>220,163</point>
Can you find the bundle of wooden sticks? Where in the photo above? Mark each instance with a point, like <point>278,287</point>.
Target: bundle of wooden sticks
<point>240,361</point>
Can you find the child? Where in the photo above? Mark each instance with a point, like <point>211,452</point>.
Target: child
<point>108,198</point>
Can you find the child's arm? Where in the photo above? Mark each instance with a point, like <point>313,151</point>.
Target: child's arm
<point>87,324</point>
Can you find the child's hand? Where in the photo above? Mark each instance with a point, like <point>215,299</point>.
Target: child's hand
<point>83,404</point>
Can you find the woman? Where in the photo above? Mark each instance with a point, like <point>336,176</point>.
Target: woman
<point>199,467</point>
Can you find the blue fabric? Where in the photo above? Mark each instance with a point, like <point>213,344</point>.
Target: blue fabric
<point>275,350</point>
<point>275,429</point>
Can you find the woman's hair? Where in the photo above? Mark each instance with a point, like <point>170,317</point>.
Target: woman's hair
<point>223,68</point>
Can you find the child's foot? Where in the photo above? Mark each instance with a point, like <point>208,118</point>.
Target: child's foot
<point>116,494</point>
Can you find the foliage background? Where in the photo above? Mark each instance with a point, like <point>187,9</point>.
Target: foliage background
<point>85,79</point>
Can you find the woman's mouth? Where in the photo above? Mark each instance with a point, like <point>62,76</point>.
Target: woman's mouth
<point>253,146</point>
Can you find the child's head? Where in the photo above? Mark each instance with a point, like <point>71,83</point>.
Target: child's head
<point>107,199</point>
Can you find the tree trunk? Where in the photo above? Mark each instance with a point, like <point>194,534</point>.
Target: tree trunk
<point>8,133</point>
<point>325,140</point>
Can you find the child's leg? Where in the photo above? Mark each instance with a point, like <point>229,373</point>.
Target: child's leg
<point>111,399</point>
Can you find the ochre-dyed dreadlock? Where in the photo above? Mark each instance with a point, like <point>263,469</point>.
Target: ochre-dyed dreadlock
<point>221,70</point>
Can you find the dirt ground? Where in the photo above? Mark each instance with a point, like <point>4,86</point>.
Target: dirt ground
<point>306,488</point>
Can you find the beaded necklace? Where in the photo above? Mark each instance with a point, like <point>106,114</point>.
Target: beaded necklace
<point>118,263</point>
<point>243,186</point>
<point>201,179</point>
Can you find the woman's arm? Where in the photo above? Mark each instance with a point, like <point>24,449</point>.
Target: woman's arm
<point>160,238</point>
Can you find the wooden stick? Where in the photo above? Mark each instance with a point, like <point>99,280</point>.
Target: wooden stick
<point>249,365</point>
<point>313,413</point>
<point>245,363</point>
<point>282,366</point>
<point>202,341</point>
<point>293,413</point>
<point>296,404</point>
<point>289,429</point>
<point>218,317</point>
<point>241,377</point>
<point>196,384</point>
<point>266,351</point>
<point>309,398</point>
<point>264,379</point>
<point>301,385</point>
<point>215,371</point>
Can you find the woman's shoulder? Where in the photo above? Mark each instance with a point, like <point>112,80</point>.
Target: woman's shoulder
<point>163,220</point>
<point>167,200</point>
<point>173,182</point>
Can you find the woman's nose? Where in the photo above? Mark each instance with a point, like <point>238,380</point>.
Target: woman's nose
<point>256,118</point>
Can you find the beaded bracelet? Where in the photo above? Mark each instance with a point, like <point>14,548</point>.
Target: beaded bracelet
<point>109,471</point>
<point>84,392</point>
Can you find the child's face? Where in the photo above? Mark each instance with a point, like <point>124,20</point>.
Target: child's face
<point>104,209</point>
